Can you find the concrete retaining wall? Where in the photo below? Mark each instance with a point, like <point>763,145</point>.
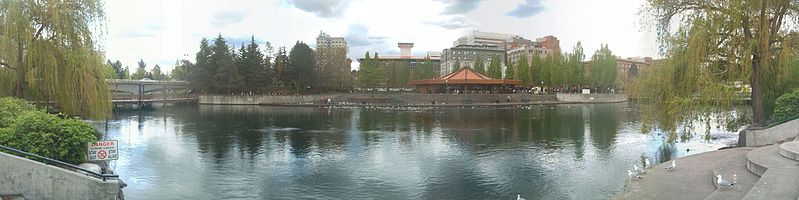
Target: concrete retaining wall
<point>592,98</point>
<point>35,180</point>
<point>753,137</point>
<point>259,99</point>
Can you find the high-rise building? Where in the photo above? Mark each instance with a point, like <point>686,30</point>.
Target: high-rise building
<point>466,56</point>
<point>332,62</point>
<point>483,38</point>
<point>541,47</point>
<point>325,41</point>
<point>548,42</point>
<point>486,45</point>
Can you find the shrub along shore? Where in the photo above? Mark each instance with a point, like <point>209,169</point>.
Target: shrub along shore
<point>60,137</point>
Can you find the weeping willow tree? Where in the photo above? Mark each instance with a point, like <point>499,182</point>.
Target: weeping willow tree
<point>47,52</point>
<point>713,50</point>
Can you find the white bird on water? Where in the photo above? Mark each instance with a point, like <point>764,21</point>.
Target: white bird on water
<point>722,182</point>
<point>519,197</point>
<point>673,165</point>
<point>647,164</point>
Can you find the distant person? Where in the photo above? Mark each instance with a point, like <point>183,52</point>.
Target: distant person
<point>508,98</point>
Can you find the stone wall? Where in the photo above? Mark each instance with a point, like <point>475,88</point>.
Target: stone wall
<point>591,98</point>
<point>753,137</point>
<point>36,180</point>
<point>260,99</point>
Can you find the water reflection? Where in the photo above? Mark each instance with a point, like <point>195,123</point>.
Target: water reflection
<point>197,152</point>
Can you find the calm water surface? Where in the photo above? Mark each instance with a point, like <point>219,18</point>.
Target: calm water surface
<point>253,152</point>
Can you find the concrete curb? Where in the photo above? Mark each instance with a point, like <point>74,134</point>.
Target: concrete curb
<point>790,150</point>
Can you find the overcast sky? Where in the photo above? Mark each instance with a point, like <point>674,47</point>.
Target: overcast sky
<point>162,31</point>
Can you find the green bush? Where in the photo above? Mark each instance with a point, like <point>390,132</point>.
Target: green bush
<point>786,107</point>
<point>49,136</point>
<point>10,108</point>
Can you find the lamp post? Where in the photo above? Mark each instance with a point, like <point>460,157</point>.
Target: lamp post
<point>446,92</point>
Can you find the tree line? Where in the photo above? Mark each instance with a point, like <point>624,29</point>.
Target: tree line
<point>563,69</point>
<point>554,69</point>
<point>375,72</point>
<point>114,70</point>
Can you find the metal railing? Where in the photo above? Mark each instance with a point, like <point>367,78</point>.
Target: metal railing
<point>57,163</point>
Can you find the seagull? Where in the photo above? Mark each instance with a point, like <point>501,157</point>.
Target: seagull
<point>633,176</point>
<point>647,164</point>
<point>722,182</point>
<point>519,197</point>
<point>639,170</point>
<point>673,165</point>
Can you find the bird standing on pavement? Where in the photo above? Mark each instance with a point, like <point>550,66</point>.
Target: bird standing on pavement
<point>722,182</point>
<point>633,176</point>
<point>673,165</point>
<point>638,170</point>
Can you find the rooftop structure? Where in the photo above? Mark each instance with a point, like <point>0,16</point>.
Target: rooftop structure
<point>405,49</point>
<point>406,58</point>
<point>465,80</point>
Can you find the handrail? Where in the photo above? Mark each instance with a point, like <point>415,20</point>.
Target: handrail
<point>49,161</point>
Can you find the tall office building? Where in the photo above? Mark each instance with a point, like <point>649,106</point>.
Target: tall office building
<point>483,38</point>
<point>325,41</point>
<point>332,62</point>
<point>466,49</point>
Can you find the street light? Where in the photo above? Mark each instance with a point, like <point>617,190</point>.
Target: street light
<point>446,83</point>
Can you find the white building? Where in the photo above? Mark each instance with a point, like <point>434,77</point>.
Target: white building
<point>483,38</point>
<point>325,41</point>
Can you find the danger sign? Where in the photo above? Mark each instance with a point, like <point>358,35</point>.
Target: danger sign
<point>102,150</point>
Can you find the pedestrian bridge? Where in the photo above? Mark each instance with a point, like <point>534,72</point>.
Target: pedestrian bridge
<point>149,91</point>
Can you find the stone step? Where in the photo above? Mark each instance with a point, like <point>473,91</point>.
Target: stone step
<point>790,150</point>
<point>735,163</point>
<point>775,184</point>
<point>763,158</point>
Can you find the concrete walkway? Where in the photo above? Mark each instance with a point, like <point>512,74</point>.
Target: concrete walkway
<point>769,172</point>
<point>692,179</point>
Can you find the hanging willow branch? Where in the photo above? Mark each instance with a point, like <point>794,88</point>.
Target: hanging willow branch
<point>51,47</point>
<point>716,48</point>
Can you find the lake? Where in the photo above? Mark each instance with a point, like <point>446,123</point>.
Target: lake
<point>574,151</point>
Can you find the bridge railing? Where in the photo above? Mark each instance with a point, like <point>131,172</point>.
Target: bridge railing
<point>154,82</point>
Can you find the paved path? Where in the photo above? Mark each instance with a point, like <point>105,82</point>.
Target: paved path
<point>692,179</point>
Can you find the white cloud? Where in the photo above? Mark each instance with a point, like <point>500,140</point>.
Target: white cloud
<point>159,32</point>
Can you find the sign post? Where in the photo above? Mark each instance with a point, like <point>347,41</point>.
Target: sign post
<point>102,150</point>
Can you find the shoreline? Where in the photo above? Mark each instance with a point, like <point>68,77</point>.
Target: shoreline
<point>412,100</point>
<point>430,105</point>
